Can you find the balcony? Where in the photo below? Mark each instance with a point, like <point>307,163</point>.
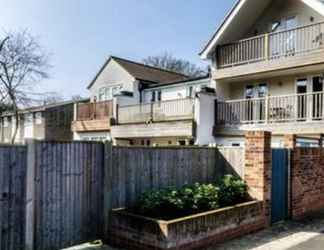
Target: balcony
<point>93,116</point>
<point>266,53</point>
<point>174,110</point>
<point>161,119</point>
<point>298,113</point>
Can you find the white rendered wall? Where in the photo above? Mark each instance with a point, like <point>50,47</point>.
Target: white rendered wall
<point>205,119</point>
<point>92,136</point>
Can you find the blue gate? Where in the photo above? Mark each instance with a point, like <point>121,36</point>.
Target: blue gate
<point>279,192</point>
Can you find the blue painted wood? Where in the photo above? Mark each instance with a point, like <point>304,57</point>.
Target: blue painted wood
<point>279,194</point>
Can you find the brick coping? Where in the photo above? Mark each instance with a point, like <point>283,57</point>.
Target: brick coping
<point>122,211</point>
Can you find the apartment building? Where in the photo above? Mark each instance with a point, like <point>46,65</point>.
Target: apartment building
<point>135,104</point>
<point>170,114</point>
<point>268,67</point>
<point>47,122</point>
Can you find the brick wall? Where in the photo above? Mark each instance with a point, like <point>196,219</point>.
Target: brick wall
<point>129,231</point>
<point>258,168</point>
<point>307,173</point>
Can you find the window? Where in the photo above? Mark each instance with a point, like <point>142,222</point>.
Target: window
<point>101,96</point>
<point>38,118</point>
<point>262,90</point>
<point>301,86</point>
<point>28,120</point>
<point>107,93</point>
<point>190,91</point>
<point>5,122</point>
<point>116,90</point>
<point>249,92</point>
<point>153,96</point>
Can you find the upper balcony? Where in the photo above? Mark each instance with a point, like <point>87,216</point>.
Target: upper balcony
<point>93,116</point>
<point>160,119</point>
<point>278,51</point>
<point>296,113</point>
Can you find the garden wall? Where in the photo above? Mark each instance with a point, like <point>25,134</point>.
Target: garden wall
<point>307,173</point>
<point>193,232</point>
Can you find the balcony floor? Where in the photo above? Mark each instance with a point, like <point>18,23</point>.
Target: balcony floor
<point>91,125</point>
<point>307,62</point>
<point>184,128</point>
<point>311,127</point>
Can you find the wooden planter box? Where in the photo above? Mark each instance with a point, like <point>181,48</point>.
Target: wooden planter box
<point>193,232</point>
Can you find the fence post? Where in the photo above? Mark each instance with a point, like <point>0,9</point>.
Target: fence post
<point>30,228</point>
<point>108,149</point>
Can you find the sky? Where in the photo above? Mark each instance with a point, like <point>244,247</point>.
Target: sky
<point>80,35</point>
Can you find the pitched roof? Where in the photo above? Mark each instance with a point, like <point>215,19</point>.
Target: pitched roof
<point>236,16</point>
<point>206,77</point>
<point>143,72</point>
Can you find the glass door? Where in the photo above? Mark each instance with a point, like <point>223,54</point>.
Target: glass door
<point>317,97</point>
<point>291,25</point>
<point>301,99</point>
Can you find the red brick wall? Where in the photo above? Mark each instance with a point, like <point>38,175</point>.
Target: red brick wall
<point>307,171</point>
<point>258,168</point>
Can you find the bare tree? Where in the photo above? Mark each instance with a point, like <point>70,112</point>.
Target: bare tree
<point>22,65</point>
<point>52,98</point>
<point>169,62</point>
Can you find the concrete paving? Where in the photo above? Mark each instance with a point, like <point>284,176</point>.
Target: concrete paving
<point>302,235</point>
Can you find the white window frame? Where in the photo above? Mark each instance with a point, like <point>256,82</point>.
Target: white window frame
<point>108,92</point>
<point>5,122</point>
<point>38,118</point>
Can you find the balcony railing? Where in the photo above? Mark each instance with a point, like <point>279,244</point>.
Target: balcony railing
<point>174,110</point>
<point>94,111</point>
<point>272,109</point>
<point>272,46</point>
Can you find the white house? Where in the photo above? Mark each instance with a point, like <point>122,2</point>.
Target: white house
<point>267,62</point>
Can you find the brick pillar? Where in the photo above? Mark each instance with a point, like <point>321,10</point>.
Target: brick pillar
<point>258,168</point>
<point>290,141</point>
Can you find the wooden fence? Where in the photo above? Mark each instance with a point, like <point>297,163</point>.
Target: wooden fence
<point>55,195</point>
<point>139,169</point>
<point>69,193</point>
<point>12,197</point>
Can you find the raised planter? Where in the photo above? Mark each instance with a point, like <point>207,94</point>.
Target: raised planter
<point>193,232</point>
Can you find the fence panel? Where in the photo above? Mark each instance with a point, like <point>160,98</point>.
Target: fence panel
<point>69,196</point>
<point>12,197</point>
<point>138,169</point>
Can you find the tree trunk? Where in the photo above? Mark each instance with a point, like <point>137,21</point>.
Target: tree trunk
<point>15,109</point>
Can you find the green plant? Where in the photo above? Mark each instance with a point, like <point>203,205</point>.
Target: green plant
<point>172,202</point>
<point>232,191</point>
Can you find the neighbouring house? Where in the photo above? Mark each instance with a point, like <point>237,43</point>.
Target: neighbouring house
<point>47,122</point>
<point>175,113</point>
<point>135,104</point>
<point>268,67</point>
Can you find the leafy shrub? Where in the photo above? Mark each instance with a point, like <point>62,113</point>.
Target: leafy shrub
<point>171,202</point>
<point>232,191</point>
